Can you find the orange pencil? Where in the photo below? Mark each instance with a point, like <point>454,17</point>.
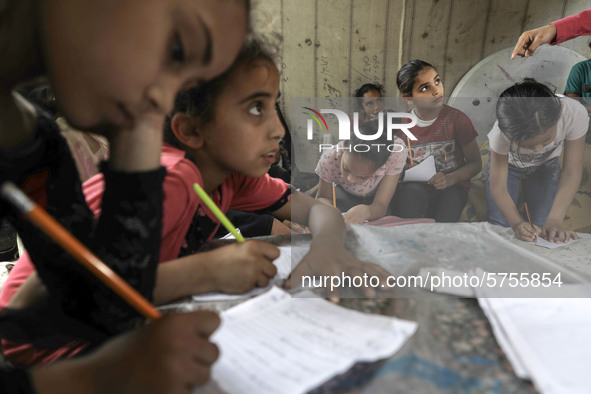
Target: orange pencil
<point>409,151</point>
<point>334,196</point>
<point>529,218</point>
<point>59,234</point>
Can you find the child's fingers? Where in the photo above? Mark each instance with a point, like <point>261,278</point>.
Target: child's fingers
<point>203,323</point>
<point>296,228</point>
<point>262,280</point>
<point>287,283</point>
<point>560,236</point>
<point>573,235</point>
<point>265,249</point>
<point>269,269</point>
<point>525,232</point>
<point>552,235</point>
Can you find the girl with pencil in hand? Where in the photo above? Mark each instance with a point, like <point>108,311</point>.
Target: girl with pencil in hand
<point>361,182</point>
<point>533,127</point>
<point>115,67</point>
<point>443,132</point>
<point>223,136</point>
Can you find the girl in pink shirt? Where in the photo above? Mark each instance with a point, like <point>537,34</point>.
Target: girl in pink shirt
<point>365,174</point>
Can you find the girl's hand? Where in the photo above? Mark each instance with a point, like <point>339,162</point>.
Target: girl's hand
<point>240,267</point>
<point>169,355</point>
<point>296,228</point>
<point>554,232</point>
<point>439,181</point>
<point>357,215</point>
<point>279,228</point>
<point>525,232</point>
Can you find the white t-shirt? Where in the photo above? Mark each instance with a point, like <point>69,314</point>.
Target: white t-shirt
<point>572,125</point>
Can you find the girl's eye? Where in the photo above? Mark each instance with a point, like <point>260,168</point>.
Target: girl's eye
<point>177,52</point>
<point>423,89</point>
<point>437,81</point>
<point>255,109</point>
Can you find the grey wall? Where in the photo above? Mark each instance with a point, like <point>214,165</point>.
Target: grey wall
<point>331,47</point>
<point>328,48</point>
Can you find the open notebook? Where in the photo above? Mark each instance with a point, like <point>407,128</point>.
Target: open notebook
<point>274,343</point>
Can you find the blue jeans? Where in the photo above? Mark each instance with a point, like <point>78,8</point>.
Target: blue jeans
<point>538,188</point>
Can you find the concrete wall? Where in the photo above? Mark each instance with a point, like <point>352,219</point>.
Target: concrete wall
<point>331,47</point>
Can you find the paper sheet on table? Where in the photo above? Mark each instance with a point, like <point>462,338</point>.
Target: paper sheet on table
<point>278,344</point>
<point>421,172</point>
<point>543,242</point>
<point>290,256</point>
<point>551,245</point>
<point>545,339</point>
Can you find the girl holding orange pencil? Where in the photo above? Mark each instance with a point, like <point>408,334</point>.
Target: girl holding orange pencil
<point>115,67</point>
<point>361,182</point>
<point>443,132</point>
<point>225,135</point>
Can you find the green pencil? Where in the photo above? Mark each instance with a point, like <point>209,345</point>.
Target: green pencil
<point>217,212</point>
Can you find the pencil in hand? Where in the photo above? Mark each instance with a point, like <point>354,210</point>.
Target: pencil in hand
<point>217,212</point>
<point>409,152</point>
<point>334,195</point>
<point>52,228</point>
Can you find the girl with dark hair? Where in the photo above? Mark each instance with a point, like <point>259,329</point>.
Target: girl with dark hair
<point>365,174</point>
<point>224,136</point>
<point>115,67</point>
<point>443,132</point>
<point>370,101</point>
<point>533,125</point>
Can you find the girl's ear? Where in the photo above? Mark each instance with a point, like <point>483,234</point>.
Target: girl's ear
<point>186,130</point>
<point>407,99</point>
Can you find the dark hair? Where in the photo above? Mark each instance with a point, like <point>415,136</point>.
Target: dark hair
<point>522,114</point>
<point>368,87</point>
<point>378,153</point>
<point>405,79</point>
<point>41,94</point>
<point>200,102</point>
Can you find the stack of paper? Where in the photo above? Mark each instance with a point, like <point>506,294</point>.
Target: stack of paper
<point>545,339</point>
<point>278,344</point>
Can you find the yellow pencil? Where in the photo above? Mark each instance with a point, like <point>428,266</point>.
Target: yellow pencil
<point>334,196</point>
<point>52,228</point>
<point>409,151</point>
<point>217,212</point>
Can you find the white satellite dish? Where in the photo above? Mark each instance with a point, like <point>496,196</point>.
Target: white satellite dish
<point>477,92</point>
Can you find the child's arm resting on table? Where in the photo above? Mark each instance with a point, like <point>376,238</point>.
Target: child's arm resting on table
<point>233,269</point>
<point>499,167</point>
<point>570,180</point>
<point>377,209</point>
<point>327,255</point>
<point>472,167</point>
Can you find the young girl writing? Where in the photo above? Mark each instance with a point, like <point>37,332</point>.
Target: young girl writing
<point>223,135</point>
<point>115,67</point>
<point>365,174</point>
<point>370,101</point>
<point>443,132</point>
<point>532,128</point>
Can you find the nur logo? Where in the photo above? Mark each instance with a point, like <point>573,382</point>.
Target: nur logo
<point>345,124</point>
